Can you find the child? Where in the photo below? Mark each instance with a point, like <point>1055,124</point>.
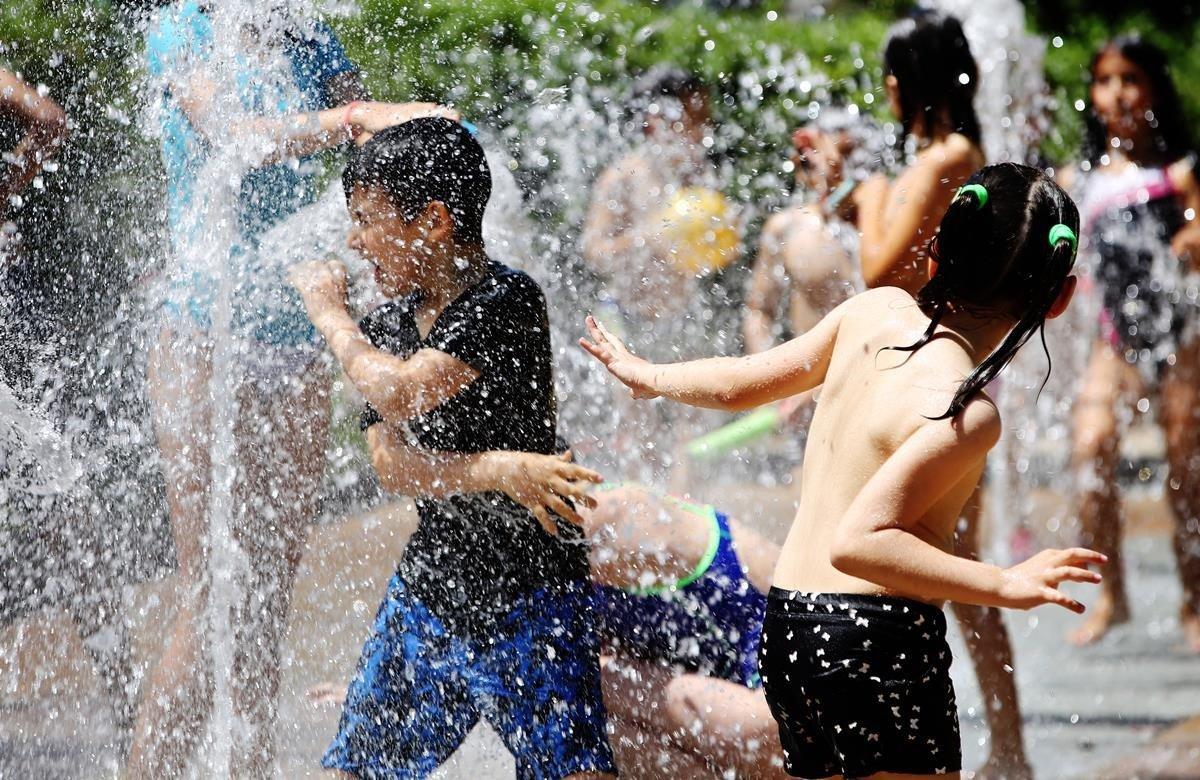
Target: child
<point>486,616</point>
<point>1138,191</point>
<point>854,657</point>
<point>680,592</point>
<point>930,82</point>
<point>644,286</point>
<point>283,89</point>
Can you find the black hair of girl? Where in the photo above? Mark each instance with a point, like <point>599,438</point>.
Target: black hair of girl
<point>425,160</point>
<point>996,259</point>
<point>1172,136</point>
<point>929,55</point>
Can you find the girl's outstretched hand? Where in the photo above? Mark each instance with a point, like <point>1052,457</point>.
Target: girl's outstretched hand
<point>546,484</point>
<point>633,372</point>
<point>1035,582</point>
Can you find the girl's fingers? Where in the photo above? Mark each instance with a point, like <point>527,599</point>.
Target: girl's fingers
<point>1053,596</point>
<point>593,329</point>
<point>1082,556</point>
<point>595,351</point>
<point>1074,574</point>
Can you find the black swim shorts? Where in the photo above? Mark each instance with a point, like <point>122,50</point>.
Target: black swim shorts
<point>859,684</point>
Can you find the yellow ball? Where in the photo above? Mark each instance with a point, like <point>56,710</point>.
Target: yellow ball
<point>698,227</point>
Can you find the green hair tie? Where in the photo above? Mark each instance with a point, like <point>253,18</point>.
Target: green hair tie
<point>978,190</point>
<point>1061,231</point>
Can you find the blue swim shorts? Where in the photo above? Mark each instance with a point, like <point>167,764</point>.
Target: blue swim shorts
<point>419,690</point>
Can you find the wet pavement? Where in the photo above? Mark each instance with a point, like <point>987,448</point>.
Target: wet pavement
<point>1103,711</point>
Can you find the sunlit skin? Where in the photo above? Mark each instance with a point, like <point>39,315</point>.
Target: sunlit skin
<point>1122,97</point>
<point>897,511</point>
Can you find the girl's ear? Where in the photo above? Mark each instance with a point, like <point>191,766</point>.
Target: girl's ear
<point>932,268</point>
<point>1064,298</point>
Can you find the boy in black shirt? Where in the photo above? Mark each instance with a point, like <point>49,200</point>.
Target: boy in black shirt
<point>487,613</point>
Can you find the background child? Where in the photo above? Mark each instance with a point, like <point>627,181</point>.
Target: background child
<point>487,614</point>
<point>853,657</point>
<point>1134,186</point>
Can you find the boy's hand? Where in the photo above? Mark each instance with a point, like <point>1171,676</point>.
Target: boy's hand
<point>546,483</point>
<point>633,372</point>
<point>322,284</point>
<point>1035,581</point>
<point>370,118</point>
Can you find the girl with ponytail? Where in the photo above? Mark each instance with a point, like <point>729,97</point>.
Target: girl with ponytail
<point>853,657</point>
<point>930,79</point>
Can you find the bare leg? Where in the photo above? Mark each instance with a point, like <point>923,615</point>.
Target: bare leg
<point>100,622</point>
<point>1095,453</point>
<point>281,440</point>
<point>1180,408</point>
<point>992,656</point>
<point>179,692</point>
<point>651,756</point>
<point>720,724</point>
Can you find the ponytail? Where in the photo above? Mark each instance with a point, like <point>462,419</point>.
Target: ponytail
<point>1005,248</point>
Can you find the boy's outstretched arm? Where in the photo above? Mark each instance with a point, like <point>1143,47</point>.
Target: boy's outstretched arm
<point>878,538</point>
<point>399,389</point>
<point>727,383</point>
<point>543,484</point>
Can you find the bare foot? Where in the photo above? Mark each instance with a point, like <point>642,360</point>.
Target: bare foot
<point>1014,767</point>
<point>1106,613</point>
<point>326,694</point>
<point>1189,622</point>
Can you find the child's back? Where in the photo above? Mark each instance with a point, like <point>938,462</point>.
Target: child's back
<point>871,402</point>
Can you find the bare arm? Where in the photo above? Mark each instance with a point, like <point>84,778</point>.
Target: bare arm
<point>610,237</point>
<point>1186,241</point>
<point>897,221</point>
<point>45,128</point>
<point>767,285</point>
<point>296,135</point>
<point>727,383</point>
<point>399,389</point>
<point>878,539</point>
<point>543,484</point>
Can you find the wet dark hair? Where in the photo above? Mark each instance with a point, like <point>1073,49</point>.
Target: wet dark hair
<point>928,54</point>
<point>996,259</point>
<point>422,161</point>
<point>1172,136</point>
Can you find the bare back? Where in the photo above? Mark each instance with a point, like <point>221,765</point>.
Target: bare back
<point>871,402</point>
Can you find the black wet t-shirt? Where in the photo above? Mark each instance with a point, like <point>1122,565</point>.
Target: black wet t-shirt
<point>473,555</point>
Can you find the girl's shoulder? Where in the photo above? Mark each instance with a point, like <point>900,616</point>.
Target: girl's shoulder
<point>954,157</point>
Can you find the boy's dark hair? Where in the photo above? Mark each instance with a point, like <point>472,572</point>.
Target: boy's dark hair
<point>666,80</point>
<point>996,258</point>
<point>662,81</point>
<point>929,55</point>
<point>1171,136</point>
<point>422,161</point>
